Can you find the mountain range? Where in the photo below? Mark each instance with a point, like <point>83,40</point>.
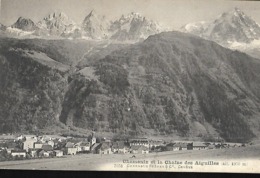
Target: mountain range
<point>131,27</point>
<point>170,84</point>
<point>233,29</point>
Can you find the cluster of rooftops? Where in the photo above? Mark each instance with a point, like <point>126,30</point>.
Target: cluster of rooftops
<point>33,146</point>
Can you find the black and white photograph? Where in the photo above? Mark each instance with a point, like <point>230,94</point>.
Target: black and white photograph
<point>130,85</point>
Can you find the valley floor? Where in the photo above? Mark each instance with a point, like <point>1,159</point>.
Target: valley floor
<point>241,159</point>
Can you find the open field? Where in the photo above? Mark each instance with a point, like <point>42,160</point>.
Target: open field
<point>248,154</point>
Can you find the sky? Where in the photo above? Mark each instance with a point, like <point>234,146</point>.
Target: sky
<point>169,13</point>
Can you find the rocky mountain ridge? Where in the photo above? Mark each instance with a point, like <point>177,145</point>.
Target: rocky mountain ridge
<point>129,27</point>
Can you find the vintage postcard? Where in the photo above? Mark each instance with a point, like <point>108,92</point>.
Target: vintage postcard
<point>126,85</point>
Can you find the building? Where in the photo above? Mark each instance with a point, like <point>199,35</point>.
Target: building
<point>105,148</point>
<point>60,145</point>
<point>58,153</point>
<point>56,143</point>
<point>94,148</point>
<point>11,146</point>
<point>139,142</point>
<point>18,153</point>
<point>93,139</point>
<point>102,148</point>
<point>172,147</point>
<point>199,146</point>
<point>51,142</point>
<point>178,146</point>
<point>70,148</point>
<point>85,146</point>
<point>139,149</point>
<point>160,148</point>
<point>29,143</point>
<point>120,147</point>
<point>78,147</point>
<point>71,151</point>
<point>46,138</point>
<point>38,145</point>
<point>43,153</point>
<point>234,144</point>
<point>77,144</point>
<point>46,147</point>
<point>33,152</point>
<point>69,145</point>
<point>155,143</point>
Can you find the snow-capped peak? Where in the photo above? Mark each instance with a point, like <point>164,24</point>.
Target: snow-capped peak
<point>232,26</point>
<point>58,17</point>
<point>129,17</point>
<point>56,23</point>
<point>133,26</point>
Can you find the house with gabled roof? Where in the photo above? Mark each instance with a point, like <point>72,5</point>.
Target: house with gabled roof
<point>101,148</point>
<point>120,147</point>
<point>43,153</point>
<point>139,149</point>
<point>105,148</point>
<point>58,153</point>
<point>85,146</point>
<point>70,148</point>
<point>173,147</point>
